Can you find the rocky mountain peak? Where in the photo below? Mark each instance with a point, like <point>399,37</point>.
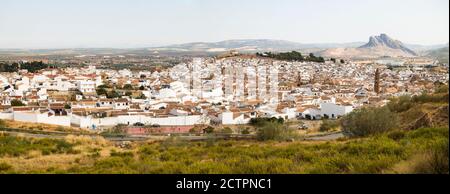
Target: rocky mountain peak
<point>383,40</point>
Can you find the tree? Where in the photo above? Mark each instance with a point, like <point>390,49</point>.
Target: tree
<point>275,131</point>
<point>113,94</point>
<point>280,120</point>
<point>127,87</point>
<point>67,106</point>
<point>333,59</point>
<point>16,102</point>
<point>103,86</point>
<point>101,91</point>
<point>368,121</point>
<point>141,96</point>
<point>208,129</point>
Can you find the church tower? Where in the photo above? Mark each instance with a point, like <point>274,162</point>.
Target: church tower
<point>376,86</point>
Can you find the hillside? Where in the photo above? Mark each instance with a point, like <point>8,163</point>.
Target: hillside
<point>441,54</point>
<point>251,45</point>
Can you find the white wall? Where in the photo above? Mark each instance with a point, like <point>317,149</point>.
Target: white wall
<point>227,119</point>
<point>34,117</point>
<point>88,122</point>
<point>338,110</point>
<point>7,116</point>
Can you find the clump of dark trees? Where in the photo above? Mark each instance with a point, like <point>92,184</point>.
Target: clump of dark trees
<point>292,56</point>
<point>30,66</point>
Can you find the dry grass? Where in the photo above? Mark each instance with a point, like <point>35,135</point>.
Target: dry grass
<point>87,140</point>
<point>35,162</point>
<point>39,163</point>
<point>40,126</point>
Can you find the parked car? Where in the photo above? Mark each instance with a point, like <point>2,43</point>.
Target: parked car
<point>139,124</point>
<point>303,127</point>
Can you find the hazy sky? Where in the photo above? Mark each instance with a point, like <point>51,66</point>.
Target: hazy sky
<point>135,23</point>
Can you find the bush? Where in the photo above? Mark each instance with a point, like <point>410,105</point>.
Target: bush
<point>103,86</point>
<point>2,123</point>
<point>443,88</point>
<point>4,166</point>
<point>435,160</point>
<point>16,102</point>
<point>258,122</point>
<point>227,130</point>
<point>15,146</point>
<point>127,87</point>
<point>400,104</point>
<point>328,125</point>
<point>113,94</point>
<point>396,135</point>
<point>208,129</point>
<point>274,131</point>
<point>368,121</point>
<point>245,131</point>
<point>60,128</point>
<point>101,91</point>
<point>121,154</point>
<point>437,98</point>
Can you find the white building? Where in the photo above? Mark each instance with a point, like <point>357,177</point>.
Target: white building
<point>86,86</point>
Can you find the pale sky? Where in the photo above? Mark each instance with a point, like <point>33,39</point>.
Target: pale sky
<point>141,23</point>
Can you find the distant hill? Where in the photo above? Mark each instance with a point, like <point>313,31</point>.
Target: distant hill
<point>251,45</point>
<point>441,54</point>
<point>377,46</point>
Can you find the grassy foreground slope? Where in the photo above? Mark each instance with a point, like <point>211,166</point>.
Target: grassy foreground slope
<point>418,151</point>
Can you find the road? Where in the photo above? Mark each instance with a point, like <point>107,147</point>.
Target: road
<point>132,138</point>
<point>327,137</point>
<point>321,137</point>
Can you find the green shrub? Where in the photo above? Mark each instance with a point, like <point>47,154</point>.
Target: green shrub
<point>2,123</point>
<point>435,160</point>
<point>328,125</point>
<point>227,130</point>
<point>368,121</point>
<point>441,89</point>
<point>436,98</point>
<point>16,146</point>
<point>400,104</point>
<point>127,87</point>
<point>208,129</point>
<point>16,102</point>
<point>396,135</point>
<point>4,166</point>
<point>60,128</point>
<point>245,131</point>
<point>121,154</point>
<point>273,130</point>
<point>260,121</point>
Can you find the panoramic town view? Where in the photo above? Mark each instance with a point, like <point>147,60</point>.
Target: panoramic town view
<point>224,87</point>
